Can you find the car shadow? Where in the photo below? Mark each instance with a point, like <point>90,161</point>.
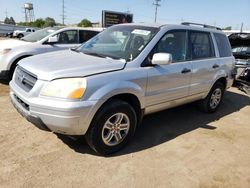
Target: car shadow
<point>166,125</point>
<point>4,81</point>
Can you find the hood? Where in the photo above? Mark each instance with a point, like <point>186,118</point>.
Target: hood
<point>68,63</point>
<point>11,43</point>
<point>239,39</point>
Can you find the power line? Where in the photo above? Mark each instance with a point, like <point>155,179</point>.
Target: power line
<point>156,4</point>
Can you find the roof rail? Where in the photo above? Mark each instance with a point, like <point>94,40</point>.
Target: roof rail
<point>204,25</point>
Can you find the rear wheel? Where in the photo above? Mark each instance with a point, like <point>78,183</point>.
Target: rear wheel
<point>113,126</point>
<point>213,100</point>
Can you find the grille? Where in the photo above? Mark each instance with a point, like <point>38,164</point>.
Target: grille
<point>24,79</point>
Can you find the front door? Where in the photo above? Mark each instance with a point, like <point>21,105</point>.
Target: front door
<point>67,39</point>
<point>170,82</point>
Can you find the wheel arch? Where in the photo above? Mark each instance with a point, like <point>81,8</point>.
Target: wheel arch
<point>15,61</point>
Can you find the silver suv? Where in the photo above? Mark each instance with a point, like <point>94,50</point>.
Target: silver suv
<point>103,88</point>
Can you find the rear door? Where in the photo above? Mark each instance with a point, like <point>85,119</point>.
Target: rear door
<point>204,62</point>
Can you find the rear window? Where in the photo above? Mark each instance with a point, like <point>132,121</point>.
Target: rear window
<point>223,44</point>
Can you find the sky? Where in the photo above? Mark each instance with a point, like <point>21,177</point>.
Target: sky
<point>221,13</point>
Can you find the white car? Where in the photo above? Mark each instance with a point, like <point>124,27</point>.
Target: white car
<point>42,41</point>
<point>21,33</point>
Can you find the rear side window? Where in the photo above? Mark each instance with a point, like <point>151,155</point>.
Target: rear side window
<point>201,45</point>
<point>223,44</point>
<point>86,35</point>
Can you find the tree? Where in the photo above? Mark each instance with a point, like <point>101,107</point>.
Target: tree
<point>228,28</point>
<point>12,21</point>
<point>85,23</point>
<point>49,22</point>
<point>7,20</point>
<point>39,23</point>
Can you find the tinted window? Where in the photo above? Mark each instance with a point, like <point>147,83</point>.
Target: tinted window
<point>68,37</point>
<point>174,43</point>
<point>86,35</point>
<point>223,44</point>
<point>201,45</point>
<point>28,30</point>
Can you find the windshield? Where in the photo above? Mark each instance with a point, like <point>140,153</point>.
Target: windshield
<point>119,42</point>
<point>40,34</point>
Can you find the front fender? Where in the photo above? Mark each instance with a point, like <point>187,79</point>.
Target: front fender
<point>119,87</point>
<point>15,56</point>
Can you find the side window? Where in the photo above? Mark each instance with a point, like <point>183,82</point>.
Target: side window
<point>68,37</point>
<point>28,30</point>
<point>173,42</point>
<point>86,35</point>
<point>223,44</point>
<point>201,45</point>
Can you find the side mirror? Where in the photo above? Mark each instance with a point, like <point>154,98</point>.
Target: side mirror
<point>162,59</point>
<point>52,40</point>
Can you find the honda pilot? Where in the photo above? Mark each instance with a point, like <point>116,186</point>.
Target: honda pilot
<point>103,88</point>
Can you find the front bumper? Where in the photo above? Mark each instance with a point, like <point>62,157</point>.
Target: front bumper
<point>17,103</point>
<point>64,117</point>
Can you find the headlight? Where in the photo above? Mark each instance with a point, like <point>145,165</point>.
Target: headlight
<point>68,88</point>
<point>5,51</point>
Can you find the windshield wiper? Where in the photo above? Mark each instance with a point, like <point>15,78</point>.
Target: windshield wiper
<point>95,54</point>
<point>102,55</point>
<point>74,50</point>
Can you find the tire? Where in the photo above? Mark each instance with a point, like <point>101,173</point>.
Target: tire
<point>102,135</point>
<point>213,100</point>
<point>20,36</point>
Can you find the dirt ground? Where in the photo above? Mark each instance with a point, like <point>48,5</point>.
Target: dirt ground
<point>181,147</point>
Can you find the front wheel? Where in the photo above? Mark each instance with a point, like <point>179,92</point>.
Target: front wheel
<point>213,100</point>
<point>20,36</point>
<point>113,126</point>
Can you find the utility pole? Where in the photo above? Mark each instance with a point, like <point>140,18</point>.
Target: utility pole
<point>63,12</point>
<point>241,28</point>
<point>156,4</point>
<point>6,13</point>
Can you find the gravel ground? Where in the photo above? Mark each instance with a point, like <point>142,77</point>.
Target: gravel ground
<point>181,147</point>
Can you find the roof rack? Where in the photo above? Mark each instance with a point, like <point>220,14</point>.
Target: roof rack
<point>204,25</point>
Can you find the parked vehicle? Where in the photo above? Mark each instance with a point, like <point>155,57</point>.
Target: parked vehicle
<point>103,88</point>
<point>42,41</point>
<point>21,33</point>
<point>9,35</point>
<point>240,43</point>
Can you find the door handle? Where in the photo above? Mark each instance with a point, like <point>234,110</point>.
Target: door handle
<point>216,66</point>
<point>185,71</point>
